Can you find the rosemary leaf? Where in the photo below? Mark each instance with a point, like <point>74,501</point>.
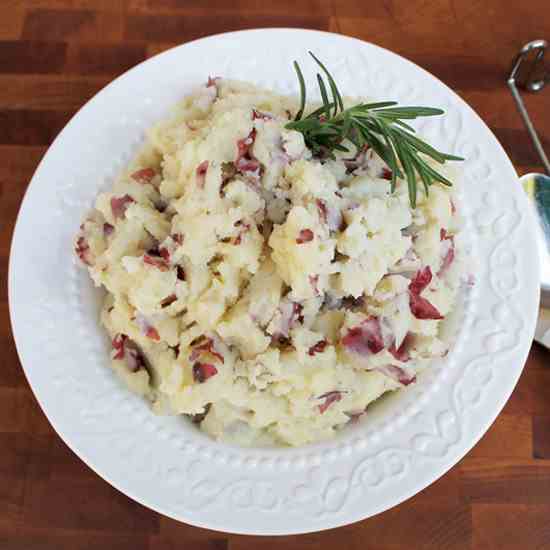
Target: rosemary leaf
<point>338,103</point>
<point>435,175</point>
<point>315,114</point>
<point>324,95</point>
<point>346,126</point>
<point>396,172</point>
<point>379,125</point>
<point>371,106</point>
<point>403,155</point>
<point>302,91</point>
<point>420,145</point>
<point>341,148</point>
<point>404,125</point>
<point>426,181</point>
<point>410,112</point>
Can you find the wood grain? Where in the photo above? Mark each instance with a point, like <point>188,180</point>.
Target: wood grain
<point>173,28</point>
<point>48,92</point>
<point>54,56</point>
<point>103,58</point>
<point>10,28</point>
<point>214,7</point>
<point>510,526</point>
<point>33,56</point>
<point>78,25</point>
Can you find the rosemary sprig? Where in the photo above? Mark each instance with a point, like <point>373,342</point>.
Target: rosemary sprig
<point>380,125</point>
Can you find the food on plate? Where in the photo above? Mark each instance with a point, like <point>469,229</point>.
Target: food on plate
<point>271,271</point>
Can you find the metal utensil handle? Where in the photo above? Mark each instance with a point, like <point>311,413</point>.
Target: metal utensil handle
<point>528,82</point>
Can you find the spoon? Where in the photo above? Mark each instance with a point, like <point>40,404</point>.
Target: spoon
<point>537,187</point>
<point>530,73</point>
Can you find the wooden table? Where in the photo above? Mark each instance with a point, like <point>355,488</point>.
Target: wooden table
<point>56,54</point>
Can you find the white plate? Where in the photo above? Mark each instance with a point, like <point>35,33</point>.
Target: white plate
<point>410,440</point>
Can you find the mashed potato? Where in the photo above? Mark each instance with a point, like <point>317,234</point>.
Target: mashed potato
<point>270,295</point>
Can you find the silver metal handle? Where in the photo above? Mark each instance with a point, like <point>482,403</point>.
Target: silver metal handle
<point>529,73</point>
